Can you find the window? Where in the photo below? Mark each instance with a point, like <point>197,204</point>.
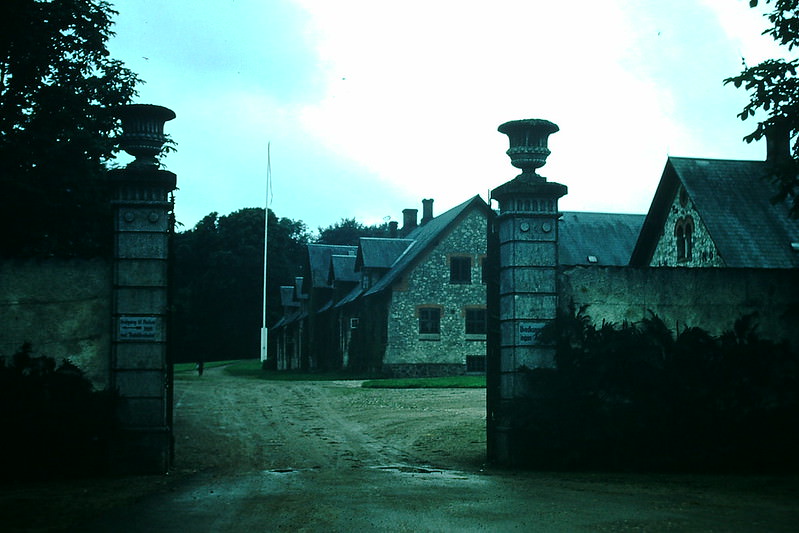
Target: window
<point>460,269</point>
<point>429,320</point>
<point>679,232</point>
<point>475,321</point>
<point>475,363</point>
<point>683,231</point>
<point>689,238</point>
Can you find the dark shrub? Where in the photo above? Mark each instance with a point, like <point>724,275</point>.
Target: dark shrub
<point>54,423</point>
<point>638,397</point>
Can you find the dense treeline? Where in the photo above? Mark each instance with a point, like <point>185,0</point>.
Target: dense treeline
<point>348,231</point>
<point>59,94</point>
<point>637,397</point>
<point>218,282</point>
<point>218,278</point>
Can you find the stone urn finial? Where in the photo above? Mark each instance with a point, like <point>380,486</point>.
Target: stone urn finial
<point>143,133</point>
<point>528,143</point>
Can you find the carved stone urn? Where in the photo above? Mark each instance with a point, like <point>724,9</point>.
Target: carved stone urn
<point>143,133</point>
<point>528,192</point>
<point>528,143</point>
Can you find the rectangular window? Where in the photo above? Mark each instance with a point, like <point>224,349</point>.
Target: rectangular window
<point>475,363</point>
<point>475,321</point>
<point>429,320</point>
<point>460,269</point>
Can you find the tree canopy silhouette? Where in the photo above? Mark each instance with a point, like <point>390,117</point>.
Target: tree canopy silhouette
<point>774,89</point>
<point>218,282</point>
<point>59,91</point>
<point>348,231</point>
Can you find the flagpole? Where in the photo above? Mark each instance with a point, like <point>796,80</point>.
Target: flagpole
<point>264,331</point>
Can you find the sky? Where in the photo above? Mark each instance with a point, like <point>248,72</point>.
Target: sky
<point>365,107</point>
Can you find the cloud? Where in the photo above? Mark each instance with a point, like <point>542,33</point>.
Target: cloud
<point>371,106</point>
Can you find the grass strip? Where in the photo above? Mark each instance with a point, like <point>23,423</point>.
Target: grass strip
<point>451,382</point>
<point>192,367</point>
<point>252,369</point>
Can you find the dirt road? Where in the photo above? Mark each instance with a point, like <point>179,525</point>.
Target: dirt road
<point>330,456</point>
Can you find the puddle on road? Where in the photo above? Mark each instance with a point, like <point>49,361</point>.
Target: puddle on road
<point>420,472</point>
<point>429,473</point>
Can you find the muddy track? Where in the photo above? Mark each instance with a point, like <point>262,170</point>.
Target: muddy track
<point>330,456</point>
<point>225,423</point>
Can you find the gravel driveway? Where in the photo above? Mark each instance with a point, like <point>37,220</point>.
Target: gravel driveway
<point>330,456</point>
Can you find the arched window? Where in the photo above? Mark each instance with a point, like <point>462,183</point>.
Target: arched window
<point>679,233</point>
<point>688,231</point>
<point>684,233</point>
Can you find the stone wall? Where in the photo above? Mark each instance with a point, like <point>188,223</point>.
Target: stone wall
<point>62,307</point>
<point>710,298</point>
<point>428,284</point>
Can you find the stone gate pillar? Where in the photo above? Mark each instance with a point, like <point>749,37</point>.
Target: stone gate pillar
<point>526,252</point>
<point>140,366</point>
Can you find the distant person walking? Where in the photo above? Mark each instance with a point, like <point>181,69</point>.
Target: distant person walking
<point>200,368</point>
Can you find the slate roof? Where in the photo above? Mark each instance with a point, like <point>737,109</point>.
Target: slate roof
<point>609,238</point>
<point>290,318</point>
<point>379,252</point>
<point>287,296</point>
<point>350,296</point>
<point>425,237</point>
<point>342,268</point>
<point>299,284</point>
<point>733,199</point>
<point>319,262</point>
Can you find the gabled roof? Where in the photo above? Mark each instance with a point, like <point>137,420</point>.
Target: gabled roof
<point>289,319</point>
<point>425,237</point>
<point>287,296</point>
<point>299,283</point>
<point>379,252</point>
<point>319,262</point>
<point>350,296</point>
<point>597,238</point>
<point>733,199</point>
<point>342,269</point>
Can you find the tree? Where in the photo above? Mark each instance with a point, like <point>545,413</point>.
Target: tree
<point>219,282</point>
<point>348,231</point>
<point>59,91</point>
<point>774,88</point>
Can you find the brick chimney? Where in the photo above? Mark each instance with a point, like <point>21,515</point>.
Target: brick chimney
<point>392,229</point>
<point>778,144</point>
<point>409,220</point>
<point>427,210</point>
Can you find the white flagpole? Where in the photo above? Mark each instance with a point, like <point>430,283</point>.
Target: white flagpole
<point>264,331</point>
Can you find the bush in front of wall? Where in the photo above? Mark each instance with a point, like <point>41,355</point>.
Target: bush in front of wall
<point>639,397</point>
<point>54,424</point>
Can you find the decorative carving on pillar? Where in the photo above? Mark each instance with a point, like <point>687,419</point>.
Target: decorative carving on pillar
<point>525,248</point>
<point>140,366</point>
<point>143,133</point>
<point>528,143</point>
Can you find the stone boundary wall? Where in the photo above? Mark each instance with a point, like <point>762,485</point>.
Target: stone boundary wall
<point>62,307</point>
<point>709,298</point>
